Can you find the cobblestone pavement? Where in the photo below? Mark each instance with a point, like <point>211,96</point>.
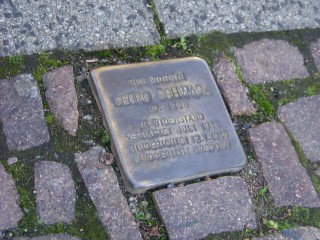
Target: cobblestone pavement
<point>58,178</point>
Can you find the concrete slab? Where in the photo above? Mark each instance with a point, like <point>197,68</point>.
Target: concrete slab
<point>185,17</point>
<point>27,27</point>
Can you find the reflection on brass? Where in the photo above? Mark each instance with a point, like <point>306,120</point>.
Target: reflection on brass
<point>168,122</point>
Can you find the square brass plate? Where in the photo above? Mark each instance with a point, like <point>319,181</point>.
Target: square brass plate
<point>168,122</point>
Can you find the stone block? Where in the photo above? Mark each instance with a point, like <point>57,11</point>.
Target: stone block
<point>198,210</point>
<point>288,182</point>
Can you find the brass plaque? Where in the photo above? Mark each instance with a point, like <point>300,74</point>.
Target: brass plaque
<point>168,122</point>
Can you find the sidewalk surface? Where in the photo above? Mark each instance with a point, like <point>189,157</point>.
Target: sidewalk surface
<point>58,177</point>
<point>28,27</point>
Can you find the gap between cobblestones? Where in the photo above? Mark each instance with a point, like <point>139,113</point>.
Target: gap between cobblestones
<point>159,25</point>
<point>275,94</point>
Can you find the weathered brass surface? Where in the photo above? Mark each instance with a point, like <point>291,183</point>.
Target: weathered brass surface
<point>168,122</point>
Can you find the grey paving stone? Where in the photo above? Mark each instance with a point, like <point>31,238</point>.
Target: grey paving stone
<point>10,213</point>
<point>232,89</point>
<point>50,237</point>
<point>298,233</point>
<point>12,160</point>
<point>34,26</point>
<point>103,187</point>
<point>55,192</point>
<point>288,182</point>
<point>184,17</point>
<point>270,60</point>
<point>62,97</point>
<point>200,209</point>
<point>21,113</point>
<point>315,49</point>
<point>302,119</point>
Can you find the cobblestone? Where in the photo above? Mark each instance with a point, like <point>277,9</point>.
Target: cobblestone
<point>317,172</point>
<point>288,182</point>
<point>50,237</point>
<point>55,192</point>
<point>315,49</point>
<point>12,160</point>
<point>270,60</point>
<point>188,212</point>
<point>62,98</point>
<point>298,233</point>
<point>103,187</point>
<point>200,209</point>
<point>21,113</point>
<point>232,89</point>
<point>302,119</point>
<point>10,213</point>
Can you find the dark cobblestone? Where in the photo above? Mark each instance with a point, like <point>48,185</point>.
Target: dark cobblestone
<point>10,213</point>
<point>50,237</point>
<point>315,49</point>
<point>270,60</point>
<point>232,89</point>
<point>22,114</point>
<point>55,192</point>
<point>288,182</point>
<point>302,119</point>
<point>298,233</point>
<point>103,187</point>
<point>200,209</point>
<point>62,98</point>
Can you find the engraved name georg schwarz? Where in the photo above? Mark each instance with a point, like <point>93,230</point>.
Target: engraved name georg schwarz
<point>168,122</point>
